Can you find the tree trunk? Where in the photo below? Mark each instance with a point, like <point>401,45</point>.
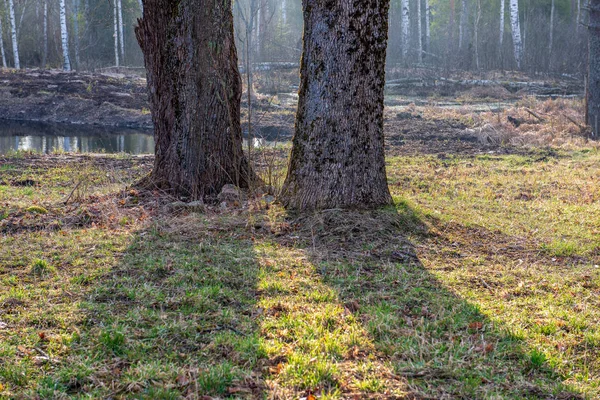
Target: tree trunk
<point>116,33</point>
<point>405,28</point>
<point>551,39</point>
<point>64,35</point>
<point>4,65</point>
<point>593,89</point>
<point>337,157</point>
<point>121,36</point>
<point>45,38</point>
<point>516,32</point>
<point>419,33</point>
<point>76,33</point>
<point>13,27</point>
<point>195,90</point>
<point>427,26</point>
<point>463,30</point>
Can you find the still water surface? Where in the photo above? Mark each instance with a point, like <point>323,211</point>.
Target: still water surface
<point>46,138</point>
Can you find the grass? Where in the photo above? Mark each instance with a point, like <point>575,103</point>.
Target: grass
<point>482,282</point>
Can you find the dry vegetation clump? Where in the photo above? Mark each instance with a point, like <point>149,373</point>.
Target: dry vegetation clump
<point>486,93</point>
<point>536,122</point>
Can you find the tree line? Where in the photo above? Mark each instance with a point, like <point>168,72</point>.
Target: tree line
<point>532,35</point>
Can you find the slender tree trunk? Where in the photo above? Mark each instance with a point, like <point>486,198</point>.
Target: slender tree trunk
<point>405,28</point>
<point>116,33</point>
<point>121,36</point>
<point>578,22</point>
<point>551,39</point>
<point>45,38</point>
<point>13,26</point>
<point>4,64</point>
<point>593,89</point>
<point>141,5</point>
<point>462,28</point>
<point>419,32</point>
<point>502,16</point>
<point>451,23</point>
<point>284,12</point>
<point>76,33</point>
<point>476,35</point>
<point>427,26</point>
<point>64,35</point>
<point>195,90</point>
<point>516,32</point>
<point>337,157</point>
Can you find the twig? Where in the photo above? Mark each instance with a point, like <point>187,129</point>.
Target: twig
<point>581,127</point>
<point>535,115</point>
<point>72,192</point>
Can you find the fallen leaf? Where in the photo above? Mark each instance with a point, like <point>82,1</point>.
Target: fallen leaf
<point>476,326</point>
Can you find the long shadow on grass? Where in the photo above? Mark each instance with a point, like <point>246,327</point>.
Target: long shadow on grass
<point>174,319</point>
<point>439,343</point>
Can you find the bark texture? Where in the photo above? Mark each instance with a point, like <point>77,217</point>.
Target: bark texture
<point>195,90</point>
<point>593,90</point>
<point>338,148</point>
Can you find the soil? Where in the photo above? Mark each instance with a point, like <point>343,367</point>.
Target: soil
<point>76,98</point>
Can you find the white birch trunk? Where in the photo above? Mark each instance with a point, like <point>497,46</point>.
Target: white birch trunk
<point>4,65</point>
<point>427,25</point>
<point>516,32</point>
<point>419,32</point>
<point>13,26</point>
<point>578,15</point>
<point>284,12</point>
<point>141,5</point>
<point>64,35</point>
<point>502,15</point>
<point>121,36</point>
<point>116,33</point>
<point>405,27</point>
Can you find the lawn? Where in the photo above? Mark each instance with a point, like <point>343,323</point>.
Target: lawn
<point>483,281</point>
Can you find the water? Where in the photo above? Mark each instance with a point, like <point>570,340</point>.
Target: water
<point>47,138</point>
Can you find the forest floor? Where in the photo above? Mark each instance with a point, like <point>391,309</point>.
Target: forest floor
<point>483,281</point>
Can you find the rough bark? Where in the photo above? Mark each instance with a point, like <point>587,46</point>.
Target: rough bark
<point>593,90</point>
<point>195,90</point>
<point>337,157</point>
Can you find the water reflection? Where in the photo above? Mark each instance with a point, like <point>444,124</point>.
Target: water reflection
<point>46,138</point>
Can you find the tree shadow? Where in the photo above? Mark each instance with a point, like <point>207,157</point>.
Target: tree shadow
<point>439,344</point>
<point>173,318</point>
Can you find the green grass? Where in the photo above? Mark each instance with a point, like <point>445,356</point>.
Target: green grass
<point>483,282</point>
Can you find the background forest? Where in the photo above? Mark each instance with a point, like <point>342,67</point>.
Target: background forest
<point>453,34</point>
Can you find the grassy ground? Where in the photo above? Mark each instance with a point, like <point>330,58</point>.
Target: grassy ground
<point>482,282</point>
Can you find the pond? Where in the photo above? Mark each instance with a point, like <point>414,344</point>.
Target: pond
<point>47,138</point>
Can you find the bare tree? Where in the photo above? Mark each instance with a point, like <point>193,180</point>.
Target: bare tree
<point>4,65</point>
<point>13,28</point>
<point>405,27</point>
<point>593,81</point>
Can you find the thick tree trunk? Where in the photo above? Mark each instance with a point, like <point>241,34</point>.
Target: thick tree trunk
<point>195,90</point>
<point>13,31</point>
<point>64,36</point>
<point>593,90</point>
<point>338,158</point>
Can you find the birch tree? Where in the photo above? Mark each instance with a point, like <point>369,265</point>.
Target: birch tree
<point>419,32</point>
<point>502,15</point>
<point>64,35</point>
<point>337,156</point>
<point>516,32</point>
<point>116,33</point>
<point>405,27</point>
<point>13,30</point>
<point>121,37</point>
<point>4,64</point>
<point>45,36</point>
<point>551,39</point>
<point>462,28</point>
